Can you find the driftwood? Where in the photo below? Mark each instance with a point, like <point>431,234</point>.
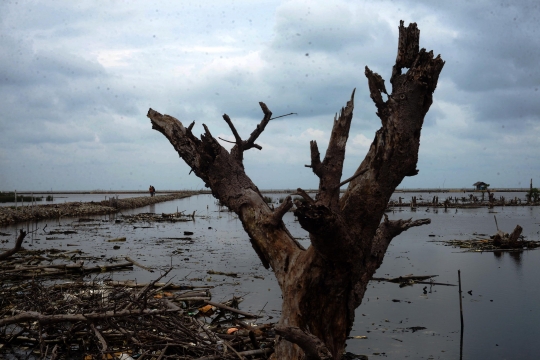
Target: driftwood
<point>164,286</point>
<point>105,319</point>
<point>17,247</point>
<point>412,279</point>
<point>138,264</point>
<point>228,308</point>
<point>95,320</point>
<point>54,270</point>
<point>501,241</point>
<point>50,319</point>
<point>313,347</point>
<point>406,278</point>
<point>213,272</point>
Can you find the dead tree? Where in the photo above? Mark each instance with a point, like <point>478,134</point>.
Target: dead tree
<point>324,284</point>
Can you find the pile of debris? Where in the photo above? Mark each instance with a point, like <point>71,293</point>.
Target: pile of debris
<point>10,215</point>
<point>152,217</point>
<point>500,241</point>
<point>49,309</point>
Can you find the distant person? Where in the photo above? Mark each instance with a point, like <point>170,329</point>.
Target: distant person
<point>151,190</point>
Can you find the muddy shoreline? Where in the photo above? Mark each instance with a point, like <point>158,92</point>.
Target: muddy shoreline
<point>12,215</point>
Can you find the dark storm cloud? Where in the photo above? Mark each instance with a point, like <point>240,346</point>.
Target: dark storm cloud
<point>493,59</point>
<point>334,28</point>
<point>76,80</point>
<point>40,87</point>
<point>314,61</point>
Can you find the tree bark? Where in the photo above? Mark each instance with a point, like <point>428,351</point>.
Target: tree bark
<point>324,284</point>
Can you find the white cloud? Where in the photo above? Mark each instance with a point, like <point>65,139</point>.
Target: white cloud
<point>361,141</point>
<point>76,80</point>
<point>115,58</point>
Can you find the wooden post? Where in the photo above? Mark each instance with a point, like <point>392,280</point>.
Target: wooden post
<point>461,317</point>
<point>15,199</point>
<point>460,305</point>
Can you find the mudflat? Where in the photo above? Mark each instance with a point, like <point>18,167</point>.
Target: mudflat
<point>12,215</point>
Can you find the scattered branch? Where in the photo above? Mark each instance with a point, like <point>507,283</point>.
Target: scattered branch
<point>16,248</point>
<point>138,264</point>
<point>352,177</point>
<point>50,319</point>
<point>277,117</point>
<point>100,338</point>
<point>233,129</point>
<point>229,141</point>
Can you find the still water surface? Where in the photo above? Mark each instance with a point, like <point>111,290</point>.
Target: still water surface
<point>502,316</point>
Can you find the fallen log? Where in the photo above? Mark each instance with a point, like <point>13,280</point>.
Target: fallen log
<point>405,278</point>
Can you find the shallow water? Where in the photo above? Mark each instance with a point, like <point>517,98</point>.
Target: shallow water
<point>501,316</point>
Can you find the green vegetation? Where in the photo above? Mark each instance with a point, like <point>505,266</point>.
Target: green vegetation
<point>301,199</point>
<point>268,199</point>
<point>10,197</point>
<point>49,198</point>
<point>533,194</point>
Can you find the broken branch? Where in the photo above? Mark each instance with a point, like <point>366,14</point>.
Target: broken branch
<point>233,129</point>
<point>305,195</point>
<point>16,248</point>
<point>352,177</point>
<point>281,210</point>
<point>277,117</point>
<point>259,129</point>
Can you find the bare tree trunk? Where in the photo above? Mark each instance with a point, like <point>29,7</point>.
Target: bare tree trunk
<point>324,284</point>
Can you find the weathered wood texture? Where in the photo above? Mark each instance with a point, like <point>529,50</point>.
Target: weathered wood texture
<point>324,284</point>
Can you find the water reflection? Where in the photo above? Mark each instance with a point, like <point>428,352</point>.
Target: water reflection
<point>516,256</point>
<point>220,243</point>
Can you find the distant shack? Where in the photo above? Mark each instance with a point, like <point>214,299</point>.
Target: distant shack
<point>480,185</point>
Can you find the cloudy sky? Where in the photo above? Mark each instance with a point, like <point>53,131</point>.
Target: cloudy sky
<point>77,79</point>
